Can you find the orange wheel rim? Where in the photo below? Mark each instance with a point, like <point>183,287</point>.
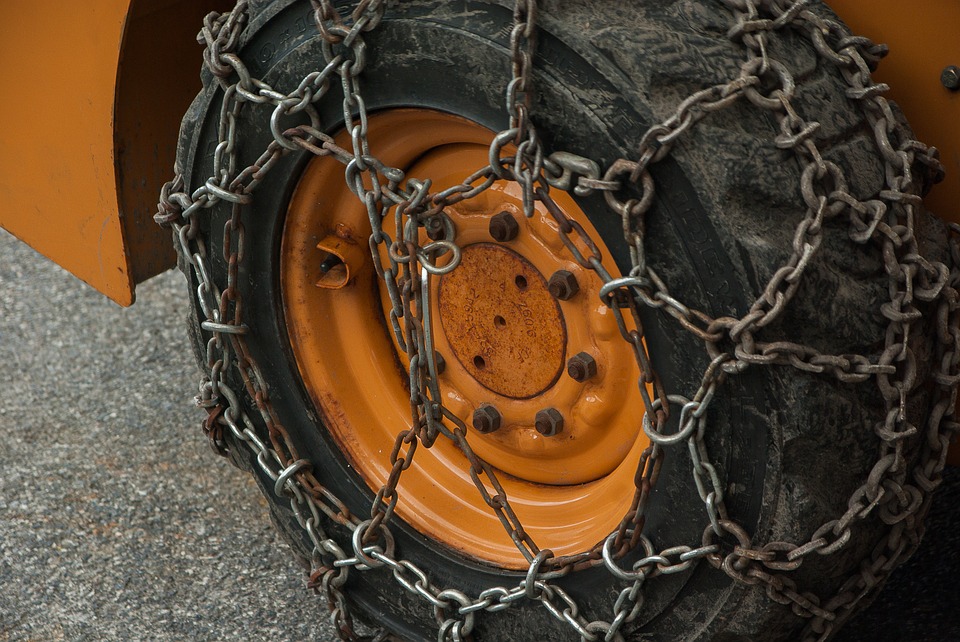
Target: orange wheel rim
<point>506,340</point>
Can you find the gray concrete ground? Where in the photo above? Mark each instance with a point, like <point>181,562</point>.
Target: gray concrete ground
<point>116,520</point>
<point>118,523</point>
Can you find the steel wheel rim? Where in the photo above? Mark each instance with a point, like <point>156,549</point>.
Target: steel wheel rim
<point>570,490</point>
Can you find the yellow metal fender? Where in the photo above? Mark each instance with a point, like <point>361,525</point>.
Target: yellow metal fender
<point>93,97</point>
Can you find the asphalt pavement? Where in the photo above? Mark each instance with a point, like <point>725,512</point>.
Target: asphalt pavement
<point>118,523</point>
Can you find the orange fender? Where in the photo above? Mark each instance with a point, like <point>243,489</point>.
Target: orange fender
<point>94,94</point>
<point>923,39</point>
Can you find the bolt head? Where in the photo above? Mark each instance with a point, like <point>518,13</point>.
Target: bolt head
<point>504,227</point>
<point>440,361</point>
<point>950,77</point>
<point>549,422</point>
<point>563,285</point>
<point>581,367</point>
<point>486,419</point>
<point>331,261</point>
<point>435,229</point>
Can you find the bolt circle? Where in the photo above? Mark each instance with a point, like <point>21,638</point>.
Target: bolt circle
<point>582,367</point>
<point>950,77</point>
<point>486,419</point>
<point>504,227</point>
<point>563,285</point>
<point>549,422</point>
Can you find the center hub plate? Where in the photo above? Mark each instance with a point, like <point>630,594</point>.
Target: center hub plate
<point>503,325</point>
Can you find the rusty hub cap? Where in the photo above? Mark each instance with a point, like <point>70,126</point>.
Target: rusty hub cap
<point>502,324</point>
<point>569,448</point>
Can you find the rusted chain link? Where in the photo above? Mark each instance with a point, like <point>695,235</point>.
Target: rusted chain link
<point>898,495</point>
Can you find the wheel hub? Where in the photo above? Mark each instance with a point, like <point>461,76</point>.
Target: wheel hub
<point>502,324</point>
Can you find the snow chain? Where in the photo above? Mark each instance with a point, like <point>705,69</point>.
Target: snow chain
<point>899,496</point>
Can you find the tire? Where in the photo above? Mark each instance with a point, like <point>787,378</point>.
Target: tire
<point>793,443</point>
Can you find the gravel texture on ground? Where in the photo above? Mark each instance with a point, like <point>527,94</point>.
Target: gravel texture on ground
<point>118,523</point>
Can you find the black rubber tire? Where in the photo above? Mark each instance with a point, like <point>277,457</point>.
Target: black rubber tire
<point>793,447</point>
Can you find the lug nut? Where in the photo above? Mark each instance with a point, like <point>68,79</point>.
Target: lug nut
<point>486,419</point>
<point>503,227</point>
<point>435,229</point>
<point>950,77</point>
<point>581,367</point>
<point>563,285</point>
<point>549,422</point>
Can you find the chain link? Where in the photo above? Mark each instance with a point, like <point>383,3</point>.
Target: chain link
<point>898,495</point>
